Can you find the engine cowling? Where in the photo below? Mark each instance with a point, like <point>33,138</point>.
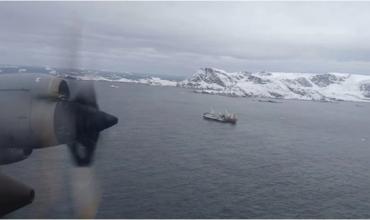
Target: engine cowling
<point>33,113</point>
<point>39,85</point>
<point>52,123</point>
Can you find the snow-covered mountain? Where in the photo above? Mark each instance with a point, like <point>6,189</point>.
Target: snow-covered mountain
<point>304,86</point>
<point>150,80</point>
<point>97,75</point>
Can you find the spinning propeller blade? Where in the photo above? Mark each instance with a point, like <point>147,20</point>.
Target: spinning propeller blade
<point>90,121</point>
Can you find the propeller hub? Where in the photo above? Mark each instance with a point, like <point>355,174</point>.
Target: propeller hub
<point>83,121</point>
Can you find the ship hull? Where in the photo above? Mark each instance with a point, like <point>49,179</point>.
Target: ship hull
<point>215,118</point>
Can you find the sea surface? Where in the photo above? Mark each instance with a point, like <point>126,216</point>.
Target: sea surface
<point>295,159</point>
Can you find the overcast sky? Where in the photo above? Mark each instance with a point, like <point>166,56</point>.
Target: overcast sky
<point>177,38</point>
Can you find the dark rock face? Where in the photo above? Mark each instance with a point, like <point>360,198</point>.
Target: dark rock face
<point>324,80</point>
<point>303,82</point>
<point>209,76</point>
<point>276,95</point>
<point>365,89</point>
<point>297,91</point>
<point>243,75</point>
<point>257,80</point>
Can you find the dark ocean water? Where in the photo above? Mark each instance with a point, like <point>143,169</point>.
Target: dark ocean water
<point>295,159</point>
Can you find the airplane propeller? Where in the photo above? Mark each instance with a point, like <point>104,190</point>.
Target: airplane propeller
<point>90,121</point>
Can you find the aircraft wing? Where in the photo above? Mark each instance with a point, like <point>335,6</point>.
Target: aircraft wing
<point>13,195</point>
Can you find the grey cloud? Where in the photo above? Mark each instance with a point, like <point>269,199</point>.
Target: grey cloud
<point>179,37</point>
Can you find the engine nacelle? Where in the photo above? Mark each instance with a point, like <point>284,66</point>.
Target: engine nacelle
<point>50,87</point>
<point>38,110</point>
<point>52,123</point>
<point>33,114</point>
<point>39,85</point>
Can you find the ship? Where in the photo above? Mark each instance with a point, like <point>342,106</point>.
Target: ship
<point>221,117</point>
